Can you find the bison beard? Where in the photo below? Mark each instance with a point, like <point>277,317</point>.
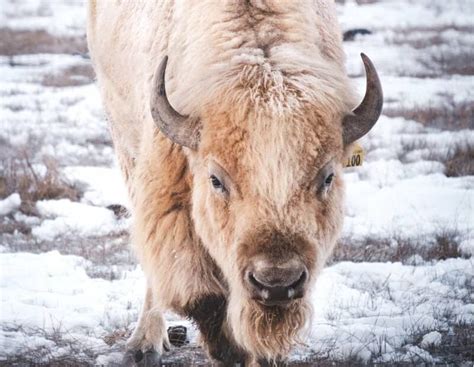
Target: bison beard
<point>269,332</point>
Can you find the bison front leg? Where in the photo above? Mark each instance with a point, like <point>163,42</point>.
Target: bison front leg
<point>150,338</point>
<point>209,313</point>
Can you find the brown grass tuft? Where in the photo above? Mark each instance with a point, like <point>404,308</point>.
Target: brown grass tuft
<point>456,62</point>
<point>444,245</point>
<point>449,116</point>
<point>424,37</point>
<point>20,176</point>
<point>14,227</point>
<point>69,77</point>
<point>19,42</point>
<point>460,162</point>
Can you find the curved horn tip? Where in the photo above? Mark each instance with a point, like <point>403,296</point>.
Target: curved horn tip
<point>363,118</point>
<point>162,67</point>
<point>180,129</point>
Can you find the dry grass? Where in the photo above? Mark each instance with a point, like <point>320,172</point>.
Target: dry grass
<point>449,116</point>
<point>109,256</point>
<point>460,162</point>
<point>444,245</point>
<point>424,37</point>
<point>457,344</point>
<point>68,350</point>
<point>13,227</point>
<point>18,175</point>
<point>433,53</point>
<point>19,42</point>
<point>456,62</point>
<point>70,76</point>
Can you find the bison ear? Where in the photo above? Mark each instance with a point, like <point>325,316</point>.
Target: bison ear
<point>364,117</point>
<point>180,129</point>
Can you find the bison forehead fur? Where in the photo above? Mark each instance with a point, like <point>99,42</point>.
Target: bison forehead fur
<point>264,85</point>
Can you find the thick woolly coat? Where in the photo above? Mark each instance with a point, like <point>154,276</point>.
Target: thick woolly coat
<point>267,81</point>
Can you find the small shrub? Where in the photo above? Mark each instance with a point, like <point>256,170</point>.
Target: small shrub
<point>460,162</point>
<point>20,176</point>
<point>449,116</point>
<point>424,37</point>
<point>444,245</point>
<point>70,76</point>
<point>67,351</point>
<point>19,42</point>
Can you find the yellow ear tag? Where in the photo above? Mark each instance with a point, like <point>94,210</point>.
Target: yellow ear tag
<point>356,158</point>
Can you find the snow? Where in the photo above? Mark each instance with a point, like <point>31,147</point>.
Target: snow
<point>10,204</point>
<point>77,218</point>
<point>406,14</point>
<point>379,302</point>
<point>105,186</point>
<point>364,311</point>
<point>431,339</point>
<point>375,209</point>
<point>50,290</point>
<point>65,17</point>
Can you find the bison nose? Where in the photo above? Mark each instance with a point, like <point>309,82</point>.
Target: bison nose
<point>276,285</point>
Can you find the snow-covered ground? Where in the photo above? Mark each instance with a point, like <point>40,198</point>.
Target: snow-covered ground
<point>400,286</point>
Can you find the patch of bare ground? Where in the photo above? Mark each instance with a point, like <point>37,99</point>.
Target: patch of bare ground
<point>20,42</point>
<point>444,245</point>
<point>69,77</point>
<point>448,116</point>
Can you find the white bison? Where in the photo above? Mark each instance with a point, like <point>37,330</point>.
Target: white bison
<point>234,166</point>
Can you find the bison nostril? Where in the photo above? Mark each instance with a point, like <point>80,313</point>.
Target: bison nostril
<point>255,282</point>
<point>300,282</point>
<point>277,289</point>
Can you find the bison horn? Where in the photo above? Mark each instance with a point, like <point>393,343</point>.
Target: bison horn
<point>180,129</point>
<point>364,117</point>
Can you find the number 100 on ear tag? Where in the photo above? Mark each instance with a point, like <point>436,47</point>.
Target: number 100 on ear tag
<point>356,157</point>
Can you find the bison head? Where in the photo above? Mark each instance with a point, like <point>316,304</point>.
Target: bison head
<point>267,198</point>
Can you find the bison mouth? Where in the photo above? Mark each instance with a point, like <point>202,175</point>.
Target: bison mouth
<point>279,294</point>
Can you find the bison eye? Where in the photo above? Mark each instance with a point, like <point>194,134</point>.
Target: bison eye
<point>328,180</point>
<point>217,184</point>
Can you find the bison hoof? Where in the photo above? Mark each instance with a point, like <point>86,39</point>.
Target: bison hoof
<point>177,335</point>
<point>138,358</point>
